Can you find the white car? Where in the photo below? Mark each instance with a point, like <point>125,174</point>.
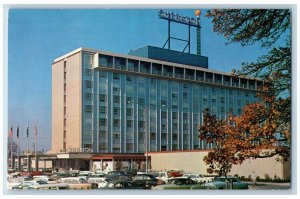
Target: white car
<point>76,183</point>
<point>44,178</point>
<point>198,178</point>
<point>100,181</point>
<point>163,176</point>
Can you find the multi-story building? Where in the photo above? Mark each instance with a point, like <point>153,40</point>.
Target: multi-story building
<point>113,103</point>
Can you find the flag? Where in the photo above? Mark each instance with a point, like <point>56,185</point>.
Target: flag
<point>18,132</point>
<point>27,130</point>
<point>10,132</point>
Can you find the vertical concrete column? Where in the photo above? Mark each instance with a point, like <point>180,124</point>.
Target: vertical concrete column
<point>19,163</point>
<point>101,164</point>
<point>131,163</point>
<point>13,162</point>
<point>91,165</point>
<point>36,163</point>
<point>29,162</point>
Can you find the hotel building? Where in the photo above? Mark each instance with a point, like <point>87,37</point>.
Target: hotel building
<point>105,102</point>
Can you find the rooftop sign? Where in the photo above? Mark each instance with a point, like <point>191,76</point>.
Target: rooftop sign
<point>163,14</point>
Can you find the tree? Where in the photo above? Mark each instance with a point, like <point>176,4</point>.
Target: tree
<point>221,159</point>
<point>264,128</point>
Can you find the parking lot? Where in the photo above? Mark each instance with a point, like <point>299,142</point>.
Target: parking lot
<point>270,186</point>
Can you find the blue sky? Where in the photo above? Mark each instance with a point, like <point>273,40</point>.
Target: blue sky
<point>37,36</point>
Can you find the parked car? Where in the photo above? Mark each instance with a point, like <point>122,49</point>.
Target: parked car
<point>45,178</point>
<point>100,182</point>
<point>76,183</point>
<point>26,184</point>
<point>130,172</point>
<point>117,175</point>
<point>163,176</point>
<point>177,183</point>
<point>223,183</point>
<point>145,181</point>
<point>198,178</point>
<point>120,184</point>
<point>59,186</point>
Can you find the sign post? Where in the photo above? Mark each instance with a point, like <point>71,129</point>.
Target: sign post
<point>170,16</point>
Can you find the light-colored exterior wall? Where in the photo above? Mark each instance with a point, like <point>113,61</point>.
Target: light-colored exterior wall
<point>189,161</point>
<point>261,167</point>
<point>73,103</point>
<point>57,106</point>
<point>192,161</point>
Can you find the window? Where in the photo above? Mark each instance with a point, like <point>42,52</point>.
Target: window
<point>163,114</point>
<point>145,67</point>
<point>116,99</point>
<point>102,74</point>
<point>105,60</point>
<point>222,99</point>
<point>116,111</point>
<point>88,96</point>
<point>120,63</point>
<point>88,84</point>
<point>115,89</point>
<point>102,109</point>
<point>102,97</point>
<point>129,123</point>
<point>128,111</point>
<point>174,137</point>
<point>141,101</point>
<point>133,65</point>
<point>88,108</point>
<point>116,122</point>
<point>116,76</point>
<point>129,146</point>
<point>129,78</point>
<point>152,136</point>
<point>102,122</point>
<point>239,102</point>
<point>102,133</point>
<point>88,71</point>
<point>185,95</point>
<point>141,124</point>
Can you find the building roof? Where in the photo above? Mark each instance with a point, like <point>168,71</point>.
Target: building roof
<point>144,59</point>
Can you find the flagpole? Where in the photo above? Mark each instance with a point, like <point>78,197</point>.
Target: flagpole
<point>35,146</point>
<point>27,132</point>
<point>27,137</point>
<point>18,150</point>
<point>11,156</point>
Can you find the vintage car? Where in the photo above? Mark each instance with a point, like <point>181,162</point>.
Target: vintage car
<point>27,183</point>
<point>99,181</point>
<point>145,181</point>
<point>76,183</point>
<point>226,183</point>
<point>176,183</point>
<point>59,186</point>
<point>121,184</point>
<point>198,178</point>
<point>45,178</point>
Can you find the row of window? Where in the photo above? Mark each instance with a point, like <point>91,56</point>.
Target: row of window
<point>177,72</point>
